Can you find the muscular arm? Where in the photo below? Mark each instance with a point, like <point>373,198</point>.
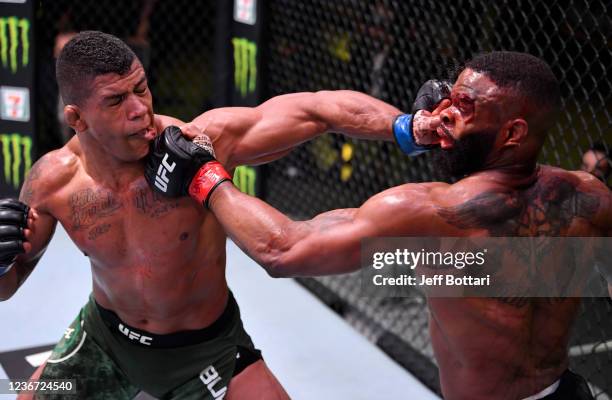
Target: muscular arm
<point>327,244</point>
<point>271,130</point>
<point>41,226</point>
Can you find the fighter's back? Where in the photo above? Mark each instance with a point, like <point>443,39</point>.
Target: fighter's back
<point>495,345</point>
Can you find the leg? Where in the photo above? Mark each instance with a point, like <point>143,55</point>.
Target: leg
<point>256,382</point>
<point>35,375</point>
<point>77,356</point>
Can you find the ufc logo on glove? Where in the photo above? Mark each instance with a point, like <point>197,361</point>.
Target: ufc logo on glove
<point>161,179</point>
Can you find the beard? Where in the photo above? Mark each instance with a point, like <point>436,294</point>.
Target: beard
<point>467,155</point>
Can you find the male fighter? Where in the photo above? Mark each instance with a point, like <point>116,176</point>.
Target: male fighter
<point>161,318</point>
<point>492,130</point>
<point>596,161</point>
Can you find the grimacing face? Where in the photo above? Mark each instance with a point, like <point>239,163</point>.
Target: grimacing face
<point>476,107</point>
<point>119,113</point>
<point>469,125</point>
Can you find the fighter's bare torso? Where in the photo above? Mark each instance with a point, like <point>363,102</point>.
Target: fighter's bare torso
<point>158,263</point>
<point>509,348</point>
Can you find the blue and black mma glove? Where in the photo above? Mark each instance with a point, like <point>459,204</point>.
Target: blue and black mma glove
<point>13,221</point>
<point>179,167</point>
<point>428,97</point>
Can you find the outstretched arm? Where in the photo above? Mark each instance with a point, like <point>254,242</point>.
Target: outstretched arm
<point>254,135</point>
<point>327,244</point>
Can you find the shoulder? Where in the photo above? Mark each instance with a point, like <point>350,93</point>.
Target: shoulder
<point>410,194</point>
<point>406,209</point>
<point>50,173</point>
<point>583,182</point>
<point>591,193</point>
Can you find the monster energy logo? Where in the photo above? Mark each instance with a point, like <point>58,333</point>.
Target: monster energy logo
<point>15,149</point>
<point>13,31</point>
<point>245,65</point>
<point>244,179</point>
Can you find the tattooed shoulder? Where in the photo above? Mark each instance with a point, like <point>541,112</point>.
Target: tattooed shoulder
<point>545,209</point>
<point>32,182</point>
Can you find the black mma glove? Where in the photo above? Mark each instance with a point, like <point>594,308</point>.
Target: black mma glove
<point>13,220</point>
<point>431,94</point>
<point>179,167</point>
<point>428,97</point>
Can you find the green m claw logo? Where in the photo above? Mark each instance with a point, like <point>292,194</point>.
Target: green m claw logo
<point>245,65</point>
<point>13,33</point>
<point>245,178</point>
<point>15,148</point>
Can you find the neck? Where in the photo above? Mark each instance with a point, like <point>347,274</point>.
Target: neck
<point>107,169</point>
<point>515,175</point>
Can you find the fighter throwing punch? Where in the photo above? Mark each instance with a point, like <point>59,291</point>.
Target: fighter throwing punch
<point>493,127</point>
<point>161,318</point>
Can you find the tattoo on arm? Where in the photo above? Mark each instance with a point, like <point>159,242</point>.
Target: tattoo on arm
<point>27,191</point>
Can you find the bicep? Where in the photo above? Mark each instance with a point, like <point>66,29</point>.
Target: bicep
<point>333,242</point>
<point>36,192</point>
<point>249,135</point>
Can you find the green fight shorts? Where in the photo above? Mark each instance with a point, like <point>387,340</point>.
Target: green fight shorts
<point>108,359</point>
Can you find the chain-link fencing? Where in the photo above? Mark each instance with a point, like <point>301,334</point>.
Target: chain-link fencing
<point>176,50</point>
<point>383,47</point>
<point>389,48</point>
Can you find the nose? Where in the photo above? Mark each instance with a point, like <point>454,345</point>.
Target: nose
<point>136,108</point>
<point>446,116</point>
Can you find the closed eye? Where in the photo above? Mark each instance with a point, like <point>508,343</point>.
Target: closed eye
<point>116,100</point>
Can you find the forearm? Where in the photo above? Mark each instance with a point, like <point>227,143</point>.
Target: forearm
<point>252,135</point>
<point>12,280</point>
<point>262,232</point>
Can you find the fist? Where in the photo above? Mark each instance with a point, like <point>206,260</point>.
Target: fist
<point>13,222</point>
<point>430,94</point>
<point>173,161</point>
<point>432,97</point>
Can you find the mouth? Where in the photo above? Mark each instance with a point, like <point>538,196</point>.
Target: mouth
<point>446,139</point>
<point>147,133</point>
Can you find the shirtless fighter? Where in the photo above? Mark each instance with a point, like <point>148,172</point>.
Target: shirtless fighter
<point>493,127</point>
<point>161,318</point>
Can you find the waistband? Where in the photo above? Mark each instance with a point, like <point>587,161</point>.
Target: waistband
<point>176,339</point>
<point>545,392</point>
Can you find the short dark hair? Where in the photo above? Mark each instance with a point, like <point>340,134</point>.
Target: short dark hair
<point>530,76</point>
<point>87,55</point>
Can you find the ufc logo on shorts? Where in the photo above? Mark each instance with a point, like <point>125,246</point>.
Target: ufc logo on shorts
<point>161,179</point>
<point>146,340</point>
<point>210,377</point>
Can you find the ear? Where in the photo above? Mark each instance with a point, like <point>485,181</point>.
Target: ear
<point>516,132</point>
<point>72,114</point>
